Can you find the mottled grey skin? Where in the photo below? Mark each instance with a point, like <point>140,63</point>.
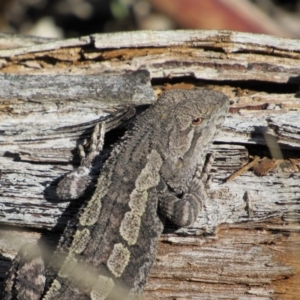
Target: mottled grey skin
<point>151,173</point>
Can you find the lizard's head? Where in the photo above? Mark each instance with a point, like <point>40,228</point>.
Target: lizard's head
<point>189,121</point>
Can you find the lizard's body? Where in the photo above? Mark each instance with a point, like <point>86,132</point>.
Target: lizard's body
<point>110,249</point>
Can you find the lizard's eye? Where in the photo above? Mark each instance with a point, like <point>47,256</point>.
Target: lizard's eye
<point>197,121</point>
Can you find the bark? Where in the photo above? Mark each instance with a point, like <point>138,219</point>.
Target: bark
<point>245,243</point>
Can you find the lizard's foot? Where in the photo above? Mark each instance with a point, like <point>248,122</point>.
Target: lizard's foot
<point>96,145</point>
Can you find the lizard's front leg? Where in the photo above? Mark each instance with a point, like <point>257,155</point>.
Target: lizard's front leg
<point>184,210</point>
<point>74,184</point>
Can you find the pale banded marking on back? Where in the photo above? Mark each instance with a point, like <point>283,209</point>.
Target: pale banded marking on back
<point>80,240</point>
<point>91,212</point>
<point>102,288</point>
<point>118,259</point>
<point>53,291</point>
<point>138,201</point>
<point>130,227</point>
<point>68,266</point>
<point>148,178</point>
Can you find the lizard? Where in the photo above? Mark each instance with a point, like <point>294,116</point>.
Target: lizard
<point>152,173</point>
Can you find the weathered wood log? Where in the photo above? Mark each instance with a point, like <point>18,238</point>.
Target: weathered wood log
<point>245,243</point>
<point>40,131</point>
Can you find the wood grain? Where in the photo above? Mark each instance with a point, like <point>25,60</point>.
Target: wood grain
<point>248,246</point>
